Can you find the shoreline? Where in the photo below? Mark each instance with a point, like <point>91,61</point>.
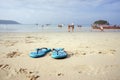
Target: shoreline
<point>31,28</point>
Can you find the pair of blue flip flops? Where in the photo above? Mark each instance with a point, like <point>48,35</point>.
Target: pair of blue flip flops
<point>57,53</point>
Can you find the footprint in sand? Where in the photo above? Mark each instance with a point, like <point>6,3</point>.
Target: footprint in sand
<point>33,39</point>
<point>21,70</point>
<point>30,39</point>
<point>111,51</point>
<point>13,54</point>
<point>11,72</point>
<point>60,74</point>
<point>33,77</point>
<point>80,72</point>
<point>29,74</point>
<point>77,53</point>
<point>9,43</point>
<point>5,66</point>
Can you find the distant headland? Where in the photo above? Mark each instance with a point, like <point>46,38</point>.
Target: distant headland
<point>8,22</point>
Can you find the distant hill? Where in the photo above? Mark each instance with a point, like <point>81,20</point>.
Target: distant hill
<point>8,22</point>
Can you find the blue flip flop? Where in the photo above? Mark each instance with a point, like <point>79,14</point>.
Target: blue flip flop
<point>59,53</point>
<point>39,52</point>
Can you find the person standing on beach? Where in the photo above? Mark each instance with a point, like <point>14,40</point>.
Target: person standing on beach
<point>101,28</point>
<point>71,26</point>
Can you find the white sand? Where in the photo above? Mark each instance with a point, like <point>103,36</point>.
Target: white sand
<point>91,56</point>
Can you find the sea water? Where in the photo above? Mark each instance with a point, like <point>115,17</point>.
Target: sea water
<point>44,28</point>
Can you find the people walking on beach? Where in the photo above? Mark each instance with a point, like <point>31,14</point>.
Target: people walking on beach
<point>71,26</point>
<point>101,28</point>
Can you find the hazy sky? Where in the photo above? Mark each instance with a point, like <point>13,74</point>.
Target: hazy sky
<point>60,11</point>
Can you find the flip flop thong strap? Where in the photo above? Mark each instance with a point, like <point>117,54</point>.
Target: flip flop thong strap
<point>40,49</point>
<point>57,51</point>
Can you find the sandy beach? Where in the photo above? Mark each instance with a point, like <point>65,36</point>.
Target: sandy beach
<point>91,56</point>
